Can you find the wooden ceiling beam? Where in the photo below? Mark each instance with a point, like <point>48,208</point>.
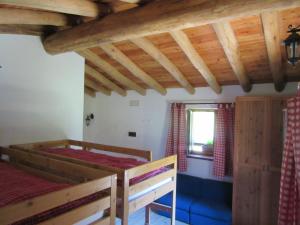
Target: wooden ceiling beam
<point>121,58</point>
<point>155,53</point>
<point>110,70</point>
<point>270,23</point>
<point>102,79</point>
<point>22,29</point>
<point>31,17</point>
<point>75,7</point>
<point>96,87</point>
<point>187,47</point>
<point>231,48</point>
<point>157,17</point>
<point>89,91</point>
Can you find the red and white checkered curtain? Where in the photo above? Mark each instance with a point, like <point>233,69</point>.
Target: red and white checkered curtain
<point>289,203</point>
<point>223,143</point>
<point>176,142</point>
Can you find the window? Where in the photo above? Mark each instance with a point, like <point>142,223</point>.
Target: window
<point>201,129</point>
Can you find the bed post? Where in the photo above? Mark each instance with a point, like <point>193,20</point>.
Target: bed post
<point>125,203</point>
<point>113,199</point>
<point>173,207</point>
<point>147,215</point>
<point>150,157</point>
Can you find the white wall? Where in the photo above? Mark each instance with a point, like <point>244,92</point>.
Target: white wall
<point>41,96</point>
<point>114,118</point>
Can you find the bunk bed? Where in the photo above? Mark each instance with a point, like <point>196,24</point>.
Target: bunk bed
<point>38,190</point>
<point>140,183</point>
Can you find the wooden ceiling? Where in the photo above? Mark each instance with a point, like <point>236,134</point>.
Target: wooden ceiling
<point>176,44</point>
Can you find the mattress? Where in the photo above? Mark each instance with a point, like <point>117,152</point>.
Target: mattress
<point>106,160</point>
<point>17,185</point>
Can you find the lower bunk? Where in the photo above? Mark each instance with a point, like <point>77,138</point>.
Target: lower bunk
<point>40,190</point>
<point>140,182</point>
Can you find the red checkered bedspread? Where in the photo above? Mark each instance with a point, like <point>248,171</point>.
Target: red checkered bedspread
<point>102,159</point>
<point>17,185</point>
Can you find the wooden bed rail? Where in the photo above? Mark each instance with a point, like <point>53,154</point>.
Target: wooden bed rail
<point>145,154</point>
<point>148,167</point>
<point>51,167</point>
<point>136,188</point>
<point>44,144</point>
<point>37,151</point>
<point>98,182</point>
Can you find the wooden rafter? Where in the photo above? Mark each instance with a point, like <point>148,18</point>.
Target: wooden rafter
<point>109,69</point>
<point>272,39</point>
<point>89,92</point>
<point>102,79</point>
<point>31,17</point>
<point>157,17</point>
<point>76,7</point>
<point>118,6</point>
<point>131,1</point>
<point>187,47</point>
<point>120,57</point>
<point>231,48</point>
<point>153,51</point>
<point>94,86</point>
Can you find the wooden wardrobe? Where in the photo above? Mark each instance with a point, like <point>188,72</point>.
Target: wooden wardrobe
<point>257,159</point>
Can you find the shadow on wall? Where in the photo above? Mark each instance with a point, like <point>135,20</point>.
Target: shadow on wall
<point>22,127</point>
<point>30,115</point>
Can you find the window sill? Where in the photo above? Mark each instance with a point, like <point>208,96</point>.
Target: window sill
<point>202,157</point>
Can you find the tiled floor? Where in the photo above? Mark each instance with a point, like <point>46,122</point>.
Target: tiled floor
<point>138,218</point>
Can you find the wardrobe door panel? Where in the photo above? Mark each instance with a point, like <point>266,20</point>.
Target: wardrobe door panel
<point>277,139</point>
<point>250,131</point>
<point>247,196</point>
<point>270,197</point>
<point>272,162</point>
<point>250,141</point>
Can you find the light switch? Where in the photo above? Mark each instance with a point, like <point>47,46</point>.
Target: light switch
<point>131,134</point>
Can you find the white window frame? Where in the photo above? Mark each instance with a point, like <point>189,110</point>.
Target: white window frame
<point>197,107</point>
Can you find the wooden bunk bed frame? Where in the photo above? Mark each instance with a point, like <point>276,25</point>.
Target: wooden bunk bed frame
<point>124,175</point>
<point>87,181</point>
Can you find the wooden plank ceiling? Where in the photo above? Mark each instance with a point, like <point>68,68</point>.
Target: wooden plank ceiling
<point>243,50</point>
